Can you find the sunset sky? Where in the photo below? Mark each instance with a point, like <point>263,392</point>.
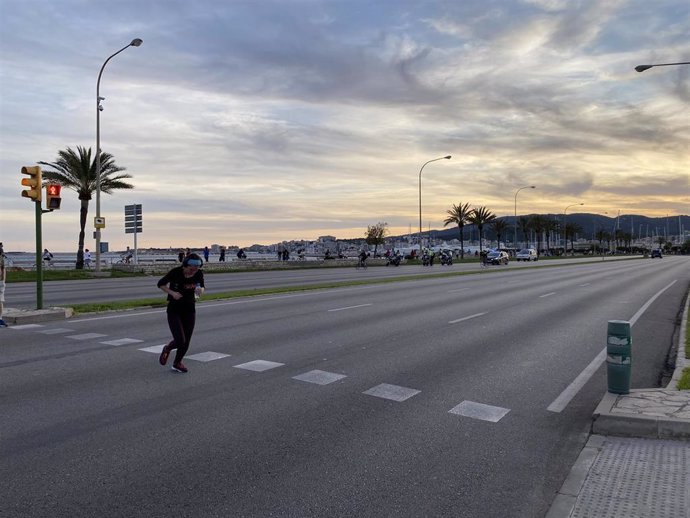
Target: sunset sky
<point>259,121</point>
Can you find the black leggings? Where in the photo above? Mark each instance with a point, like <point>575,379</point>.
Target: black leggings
<point>181,326</point>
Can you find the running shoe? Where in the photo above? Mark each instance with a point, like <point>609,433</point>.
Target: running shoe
<point>179,367</point>
<point>163,359</point>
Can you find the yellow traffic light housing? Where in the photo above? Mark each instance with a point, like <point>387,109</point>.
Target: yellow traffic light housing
<point>33,183</point>
<point>53,199</point>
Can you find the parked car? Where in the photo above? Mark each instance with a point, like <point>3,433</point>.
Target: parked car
<point>527,254</point>
<point>497,257</point>
<point>657,253</point>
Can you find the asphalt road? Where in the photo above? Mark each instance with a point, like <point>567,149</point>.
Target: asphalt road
<point>93,426</point>
<point>64,293</point>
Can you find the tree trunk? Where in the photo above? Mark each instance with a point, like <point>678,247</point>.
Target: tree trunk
<point>462,243</point>
<point>83,212</point>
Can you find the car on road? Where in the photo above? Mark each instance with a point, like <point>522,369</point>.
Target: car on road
<point>497,257</point>
<point>527,254</point>
<point>657,253</point>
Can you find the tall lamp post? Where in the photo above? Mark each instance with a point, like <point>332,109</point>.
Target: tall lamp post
<point>420,197</point>
<point>565,237</point>
<point>134,43</point>
<point>642,68</point>
<point>515,221</point>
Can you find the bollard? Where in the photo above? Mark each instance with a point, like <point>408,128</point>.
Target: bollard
<point>618,356</point>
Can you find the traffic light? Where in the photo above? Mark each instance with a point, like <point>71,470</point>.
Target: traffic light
<point>53,199</point>
<point>33,183</point>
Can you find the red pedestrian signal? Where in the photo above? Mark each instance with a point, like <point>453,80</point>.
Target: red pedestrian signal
<point>53,199</point>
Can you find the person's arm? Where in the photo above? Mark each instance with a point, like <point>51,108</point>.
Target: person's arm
<point>163,285</point>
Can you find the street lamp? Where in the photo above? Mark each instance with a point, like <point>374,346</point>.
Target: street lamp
<point>136,42</point>
<point>565,237</point>
<point>642,68</point>
<point>420,198</point>
<point>515,221</point>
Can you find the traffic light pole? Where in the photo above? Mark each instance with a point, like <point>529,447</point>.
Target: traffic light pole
<point>39,256</point>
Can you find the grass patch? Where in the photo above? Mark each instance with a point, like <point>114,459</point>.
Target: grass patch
<point>684,381</point>
<point>66,275</point>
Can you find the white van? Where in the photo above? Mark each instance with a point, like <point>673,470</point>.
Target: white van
<point>527,254</point>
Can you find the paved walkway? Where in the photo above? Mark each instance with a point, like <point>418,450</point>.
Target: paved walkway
<point>637,463</point>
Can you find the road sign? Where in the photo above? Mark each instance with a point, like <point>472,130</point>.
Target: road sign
<point>133,219</point>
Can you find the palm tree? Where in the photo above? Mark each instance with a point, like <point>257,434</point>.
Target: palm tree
<point>459,215</point>
<point>480,216</point>
<point>551,225</point>
<point>523,223</point>
<point>78,172</point>
<point>499,226</point>
<point>570,230</point>
<point>538,223</point>
<point>602,235</point>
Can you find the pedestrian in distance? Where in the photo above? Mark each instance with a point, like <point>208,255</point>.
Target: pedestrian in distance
<point>47,257</point>
<point>2,285</point>
<point>206,253</point>
<point>183,285</point>
<point>221,257</point>
<point>87,258</point>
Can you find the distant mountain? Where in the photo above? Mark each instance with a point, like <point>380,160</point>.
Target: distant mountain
<point>637,225</point>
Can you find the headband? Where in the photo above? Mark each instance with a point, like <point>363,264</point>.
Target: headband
<point>193,262</point>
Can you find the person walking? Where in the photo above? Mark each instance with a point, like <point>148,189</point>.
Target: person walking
<point>183,284</point>
<point>2,285</point>
<point>221,258</point>
<point>207,252</point>
<point>87,258</point>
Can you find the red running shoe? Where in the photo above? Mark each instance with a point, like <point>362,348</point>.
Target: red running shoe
<point>179,367</point>
<point>163,359</point>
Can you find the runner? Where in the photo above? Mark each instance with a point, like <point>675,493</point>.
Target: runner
<point>183,284</point>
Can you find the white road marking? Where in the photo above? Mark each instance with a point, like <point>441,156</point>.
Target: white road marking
<point>207,356</point>
<point>319,377</point>
<point>466,318</point>
<point>547,294</point>
<point>26,326</point>
<point>258,365</point>
<point>479,411</point>
<point>583,285</point>
<point>393,392</point>
<point>350,307</point>
<point>156,349</point>
<point>122,341</point>
<point>56,330</point>
<point>571,390</point>
<point>459,289</point>
<point>86,336</point>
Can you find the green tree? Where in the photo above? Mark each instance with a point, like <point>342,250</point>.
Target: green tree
<point>77,171</point>
<point>376,235</point>
<point>602,235</point>
<point>480,216</point>
<point>459,215</point>
<point>500,227</point>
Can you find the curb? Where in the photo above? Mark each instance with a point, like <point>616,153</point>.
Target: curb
<point>20,316</point>
<point>607,422</point>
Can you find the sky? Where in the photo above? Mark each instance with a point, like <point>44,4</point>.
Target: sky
<point>259,121</point>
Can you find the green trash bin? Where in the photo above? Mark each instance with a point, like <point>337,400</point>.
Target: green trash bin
<point>618,356</point>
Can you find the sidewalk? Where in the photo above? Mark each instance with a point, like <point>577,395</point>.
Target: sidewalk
<point>637,462</point>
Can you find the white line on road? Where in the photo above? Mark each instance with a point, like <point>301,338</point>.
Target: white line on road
<point>583,285</point>
<point>547,294</point>
<point>459,289</point>
<point>466,318</point>
<point>350,307</point>
<point>571,390</point>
